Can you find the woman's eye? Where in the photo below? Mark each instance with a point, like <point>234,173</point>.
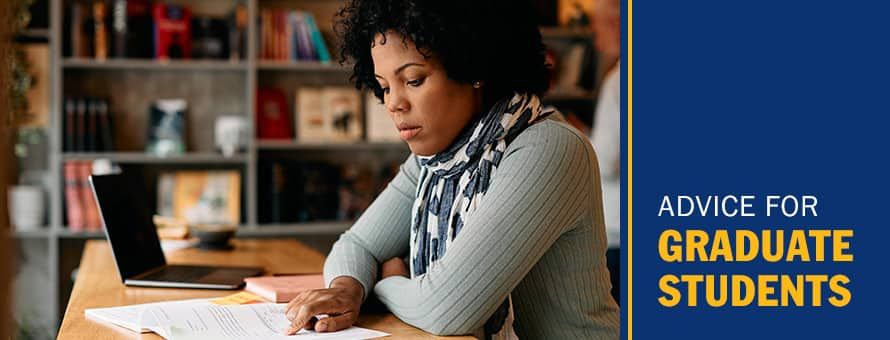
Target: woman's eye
<point>416,82</point>
<point>384,89</point>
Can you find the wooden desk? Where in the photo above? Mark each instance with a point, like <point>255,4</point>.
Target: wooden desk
<point>98,285</point>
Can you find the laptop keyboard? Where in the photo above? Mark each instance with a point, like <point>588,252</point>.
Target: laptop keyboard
<point>180,274</point>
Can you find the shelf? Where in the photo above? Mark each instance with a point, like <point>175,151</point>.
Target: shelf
<point>296,229</point>
<point>268,65</point>
<point>34,33</point>
<point>291,145</point>
<point>42,232</point>
<point>566,32</point>
<point>67,233</point>
<point>143,158</point>
<point>152,64</point>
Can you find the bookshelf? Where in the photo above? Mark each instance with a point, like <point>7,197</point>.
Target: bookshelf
<point>142,158</point>
<point>151,64</point>
<point>301,66</point>
<point>213,88</point>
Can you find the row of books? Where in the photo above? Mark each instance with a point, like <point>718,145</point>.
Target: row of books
<point>328,114</point>
<point>290,191</point>
<point>80,205</point>
<point>87,125</point>
<point>286,35</point>
<point>299,191</point>
<point>141,29</point>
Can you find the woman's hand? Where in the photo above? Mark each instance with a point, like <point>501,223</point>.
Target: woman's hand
<point>341,302</point>
<point>394,267</point>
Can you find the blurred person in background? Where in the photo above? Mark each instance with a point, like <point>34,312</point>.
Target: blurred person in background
<point>606,133</point>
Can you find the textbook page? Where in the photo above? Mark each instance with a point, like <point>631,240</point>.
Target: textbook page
<point>248,322</point>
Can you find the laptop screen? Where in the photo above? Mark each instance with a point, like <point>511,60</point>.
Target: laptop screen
<point>128,223</point>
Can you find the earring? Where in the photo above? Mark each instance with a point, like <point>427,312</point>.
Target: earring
<point>477,84</point>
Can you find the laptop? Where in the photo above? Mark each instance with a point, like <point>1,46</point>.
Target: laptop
<point>137,250</point>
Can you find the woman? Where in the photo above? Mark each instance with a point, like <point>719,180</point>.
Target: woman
<point>498,208</point>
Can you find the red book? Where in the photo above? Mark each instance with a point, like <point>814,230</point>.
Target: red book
<point>272,116</point>
<point>283,288</point>
<point>92,221</point>
<point>173,33</point>
<point>73,207</point>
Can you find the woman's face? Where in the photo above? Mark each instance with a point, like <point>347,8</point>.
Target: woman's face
<point>427,107</point>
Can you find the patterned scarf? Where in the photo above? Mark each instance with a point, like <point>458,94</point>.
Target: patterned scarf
<point>454,180</point>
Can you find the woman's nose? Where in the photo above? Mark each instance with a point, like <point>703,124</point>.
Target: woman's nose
<point>396,101</point>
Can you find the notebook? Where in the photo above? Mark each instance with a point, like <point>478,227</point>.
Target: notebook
<point>283,288</point>
<point>135,245</point>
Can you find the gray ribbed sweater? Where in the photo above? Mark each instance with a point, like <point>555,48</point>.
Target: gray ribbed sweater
<point>537,234</point>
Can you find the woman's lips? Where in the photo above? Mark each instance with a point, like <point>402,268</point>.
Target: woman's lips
<point>408,132</point>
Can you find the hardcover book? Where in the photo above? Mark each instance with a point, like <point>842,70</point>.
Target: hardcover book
<point>282,289</point>
<point>172,31</point>
<point>166,129</point>
<point>329,114</point>
<point>272,117</point>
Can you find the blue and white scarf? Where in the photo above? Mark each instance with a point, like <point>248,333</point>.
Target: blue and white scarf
<point>453,181</point>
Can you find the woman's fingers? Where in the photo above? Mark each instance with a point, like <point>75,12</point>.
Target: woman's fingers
<point>306,313</point>
<point>303,310</point>
<point>290,309</point>
<point>335,323</point>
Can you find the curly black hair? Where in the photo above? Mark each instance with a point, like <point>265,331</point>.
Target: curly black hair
<point>493,41</point>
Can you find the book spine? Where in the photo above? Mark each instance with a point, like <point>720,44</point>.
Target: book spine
<point>70,109</point>
<point>277,188</point>
<point>88,201</point>
<point>91,126</point>
<point>119,28</point>
<point>238,24</point>
<point>273,35</point>
<point>100,36</point>
<point>264,34</point>
<point>80,128</point>
<point>317,40</point>
<point>306,37</point>
<point>303,49</point>
<point>107,143</point>
<point>76,30</point>
<point>281,34</point>
<point>292,39</point>
<point>73,207</point>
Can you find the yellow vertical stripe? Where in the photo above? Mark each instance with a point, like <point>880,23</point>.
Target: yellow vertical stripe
<point>630,169</point>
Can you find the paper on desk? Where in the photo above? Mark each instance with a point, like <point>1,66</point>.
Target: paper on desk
<point>126,316</point>
<point>255,321</point>
<point>132,317</point>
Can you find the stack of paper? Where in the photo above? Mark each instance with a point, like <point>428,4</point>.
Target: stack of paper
<point>200,319</point>
<point>133,317</point>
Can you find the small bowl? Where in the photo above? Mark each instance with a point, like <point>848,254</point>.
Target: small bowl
<point>214,237</point>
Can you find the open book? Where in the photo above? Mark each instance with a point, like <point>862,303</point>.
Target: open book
<point>200,319</point>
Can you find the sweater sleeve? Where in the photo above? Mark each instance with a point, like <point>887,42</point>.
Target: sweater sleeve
<point>381,232</point>
<point>538,192</point>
